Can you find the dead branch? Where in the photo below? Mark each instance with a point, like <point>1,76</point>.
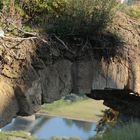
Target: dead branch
<point>33,35</point>
<point>24,32</point>
<point>62,42</point>
<point>19,38</point>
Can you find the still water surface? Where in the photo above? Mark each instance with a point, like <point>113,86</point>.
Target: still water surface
<point>45,128</point>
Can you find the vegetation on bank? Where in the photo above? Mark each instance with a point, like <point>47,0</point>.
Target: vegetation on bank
<point>15,135</point>
<point>130,131</point>
<point>133,11</point>
<point>126,132</point>
<point>59,138</point>
<point>78,26</point>
<point>83,24</point>
<point>65,17</point>
<point>62,17</point>
<point>84,18</point>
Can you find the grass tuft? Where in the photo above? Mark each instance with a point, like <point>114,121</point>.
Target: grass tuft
<point>127,132</point>
<point>134,12</point>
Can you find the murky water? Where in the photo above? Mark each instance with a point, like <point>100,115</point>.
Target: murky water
<point>45,128</point>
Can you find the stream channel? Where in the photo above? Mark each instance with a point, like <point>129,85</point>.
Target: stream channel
<point>44,127</point>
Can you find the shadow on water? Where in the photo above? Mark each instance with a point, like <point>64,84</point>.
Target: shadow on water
<point>85,126</point>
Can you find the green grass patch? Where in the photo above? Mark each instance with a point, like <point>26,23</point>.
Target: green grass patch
<point>15,135</point>
<point>65,101</point>
<point>3,136</point>
<point>80,108</point>
<point>131,131</point>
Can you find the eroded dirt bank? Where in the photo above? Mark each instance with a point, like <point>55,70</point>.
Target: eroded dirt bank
<point>32,72</point>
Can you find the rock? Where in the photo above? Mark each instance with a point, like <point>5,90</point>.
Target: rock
<point>56,80</point>
<point>109,75</point>
<point>29,99</point>
<point>38,63</point>
<point>29,92</point>
<point>95,74</point>
<point>119,99</point>
<point>8,103</point>
<point>82,73</point>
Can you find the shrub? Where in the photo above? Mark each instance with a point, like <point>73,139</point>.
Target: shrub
<point>65,17</point>
<point>83,17</point>
<point>38,11</point>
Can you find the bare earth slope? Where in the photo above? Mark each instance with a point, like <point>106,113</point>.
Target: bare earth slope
<point>29,75</point>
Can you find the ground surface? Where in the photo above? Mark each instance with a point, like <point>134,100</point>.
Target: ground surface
<point>88,109</point>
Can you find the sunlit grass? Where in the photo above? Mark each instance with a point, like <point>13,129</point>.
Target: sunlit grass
<point>15,135</point>
<point>134,12</point>
<point>3,136</point>
<point>83,109</point>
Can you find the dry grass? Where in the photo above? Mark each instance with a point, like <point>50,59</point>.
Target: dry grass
<point>134,12</point>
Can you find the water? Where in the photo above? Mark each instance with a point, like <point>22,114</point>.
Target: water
<point>45,128</point>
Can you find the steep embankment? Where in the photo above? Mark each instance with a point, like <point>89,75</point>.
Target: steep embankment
<point>33,72</point>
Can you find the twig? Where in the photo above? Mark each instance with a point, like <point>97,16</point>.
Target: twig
<point>20,38</point>
<point>33,35</point>
<point>27,33</point>
<point>85,45</point>
<point>43,40</point>
<point>62,42</point>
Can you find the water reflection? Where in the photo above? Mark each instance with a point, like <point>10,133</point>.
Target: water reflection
<point>85,126</point>
<point>45,128</point>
